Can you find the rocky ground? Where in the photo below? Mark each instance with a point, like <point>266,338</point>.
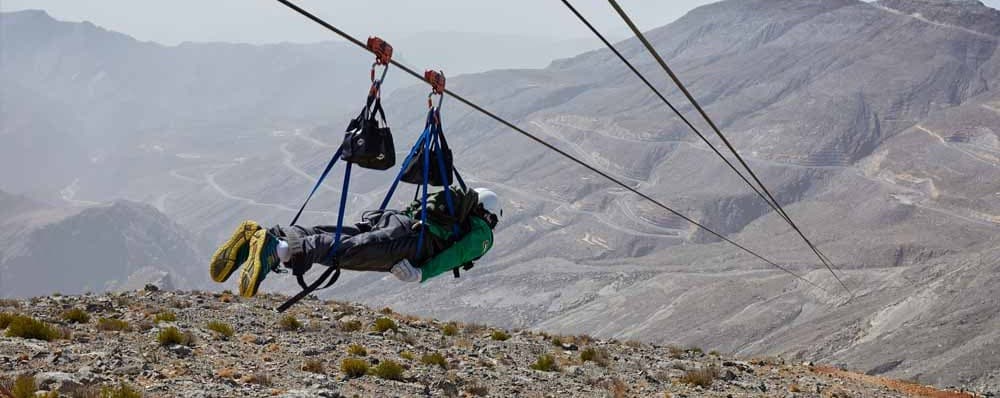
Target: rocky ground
<point>300,354</point>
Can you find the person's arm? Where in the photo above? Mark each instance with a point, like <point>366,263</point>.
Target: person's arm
<point>473,245</point>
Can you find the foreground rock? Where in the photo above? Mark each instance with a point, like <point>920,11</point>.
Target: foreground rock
<point>271,354</point>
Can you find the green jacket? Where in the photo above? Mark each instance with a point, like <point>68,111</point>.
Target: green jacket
<point>469,247</point>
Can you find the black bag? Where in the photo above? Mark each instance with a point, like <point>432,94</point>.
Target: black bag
<point>414,173</point>
<point>368,143</point>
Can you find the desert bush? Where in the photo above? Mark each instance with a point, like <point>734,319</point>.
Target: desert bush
<point>351,326</point>
<point>76,315</point>
<point>556,341</point>
<point>165,317</point>
<point>617,388</point>
<point>121,391</point>
<point>695,351</point>
<point>434,359</point>
<point>675,352</point>
<point>259,378</point>
<point>633,344</point>
<point>5,318</point>
<point>714,353</point>
<point>499,335</point>
<point>477,389</point>
<point>313,366</point>
<point>288,323</point>
<point>598,356</point>
<point>10,303</point>
<point>389,370</point>
<point>171,336</point>
<point>354,367</point>
<point>31,328</point>
<point>383,324</point>
<point>357,350</point>
<point>700,377</point>
<point>449,329</point>
<point>113,325</point>
<point>224,330</point>
<point>386,311</point>
<point>407,355</point>
<point>545,363</point>
<point>22,386</point>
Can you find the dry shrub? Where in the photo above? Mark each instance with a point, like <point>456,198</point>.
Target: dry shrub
<point>313,366</point>
<point>700,377</point>
<point>354,367</point>
<point>357,350</point>
<point>76,315</point>
<point>389,370</point>
<point>384,324</point>
<point>289,323</point>
<point>477,389</point>
<point>545,363</point>
<point>165,317</point>
<point>434,359</point>
<point>121,391</point>
<point>499,335</point>
<point>633,344</point>
<point>173,336</point>
<point>113,325</point>
<point>449,329</point>
<point>351,326</point>
<point>407,355</point>
<point>617,388</point>
<point>224,330</point>
<point>599,356</point>
<point>258,378</point>
<point>31,328</point>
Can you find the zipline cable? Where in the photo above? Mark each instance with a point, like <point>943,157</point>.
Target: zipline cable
<point>711,123</point>
<point>542,142</point>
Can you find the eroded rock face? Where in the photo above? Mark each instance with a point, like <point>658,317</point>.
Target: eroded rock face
<point>471,362</point>
<point>968,14</point>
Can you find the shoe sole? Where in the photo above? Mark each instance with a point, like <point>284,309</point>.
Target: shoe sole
<point>262,255</point>
<point>226,258</point>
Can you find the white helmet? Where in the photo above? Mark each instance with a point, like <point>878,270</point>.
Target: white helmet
<point>490,201</point>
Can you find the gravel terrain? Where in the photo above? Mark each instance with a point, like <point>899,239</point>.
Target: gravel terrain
<point>267,353</point>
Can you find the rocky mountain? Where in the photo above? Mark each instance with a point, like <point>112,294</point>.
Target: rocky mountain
<point>214,345</point>
<point>876,125</point>
<point>119,246</point>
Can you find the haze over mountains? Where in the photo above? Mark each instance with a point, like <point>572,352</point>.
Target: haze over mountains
<point>876,125</point>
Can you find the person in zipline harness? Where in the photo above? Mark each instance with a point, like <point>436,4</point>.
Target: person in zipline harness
<point>385,241</point>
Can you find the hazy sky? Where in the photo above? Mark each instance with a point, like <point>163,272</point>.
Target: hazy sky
<point>264,21</point>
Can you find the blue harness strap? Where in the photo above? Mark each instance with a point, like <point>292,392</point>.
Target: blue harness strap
<point>329,166</point>
<point>406,163</point>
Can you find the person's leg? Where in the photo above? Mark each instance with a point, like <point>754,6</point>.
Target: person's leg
<point>389,239</point>
<point>310,245</point>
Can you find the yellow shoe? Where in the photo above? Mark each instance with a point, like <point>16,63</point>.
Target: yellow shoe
<point>263,256</point>
<point>233,253</point>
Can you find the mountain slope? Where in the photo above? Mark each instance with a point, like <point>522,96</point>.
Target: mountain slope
<point>109,247</point>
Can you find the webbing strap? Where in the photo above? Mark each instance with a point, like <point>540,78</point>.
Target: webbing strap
<point>311,288</point>
<point>455,231</point>
<point>423,201</point>
<point>340,213</point>
<point>406,163</point>
<point>334,269</point>
<point>319,182</point>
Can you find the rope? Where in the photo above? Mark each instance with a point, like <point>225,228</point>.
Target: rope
<point>542,142</point>
<point>773,202</point>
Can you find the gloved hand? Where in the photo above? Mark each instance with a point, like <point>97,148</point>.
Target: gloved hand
<point>406,272</point>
